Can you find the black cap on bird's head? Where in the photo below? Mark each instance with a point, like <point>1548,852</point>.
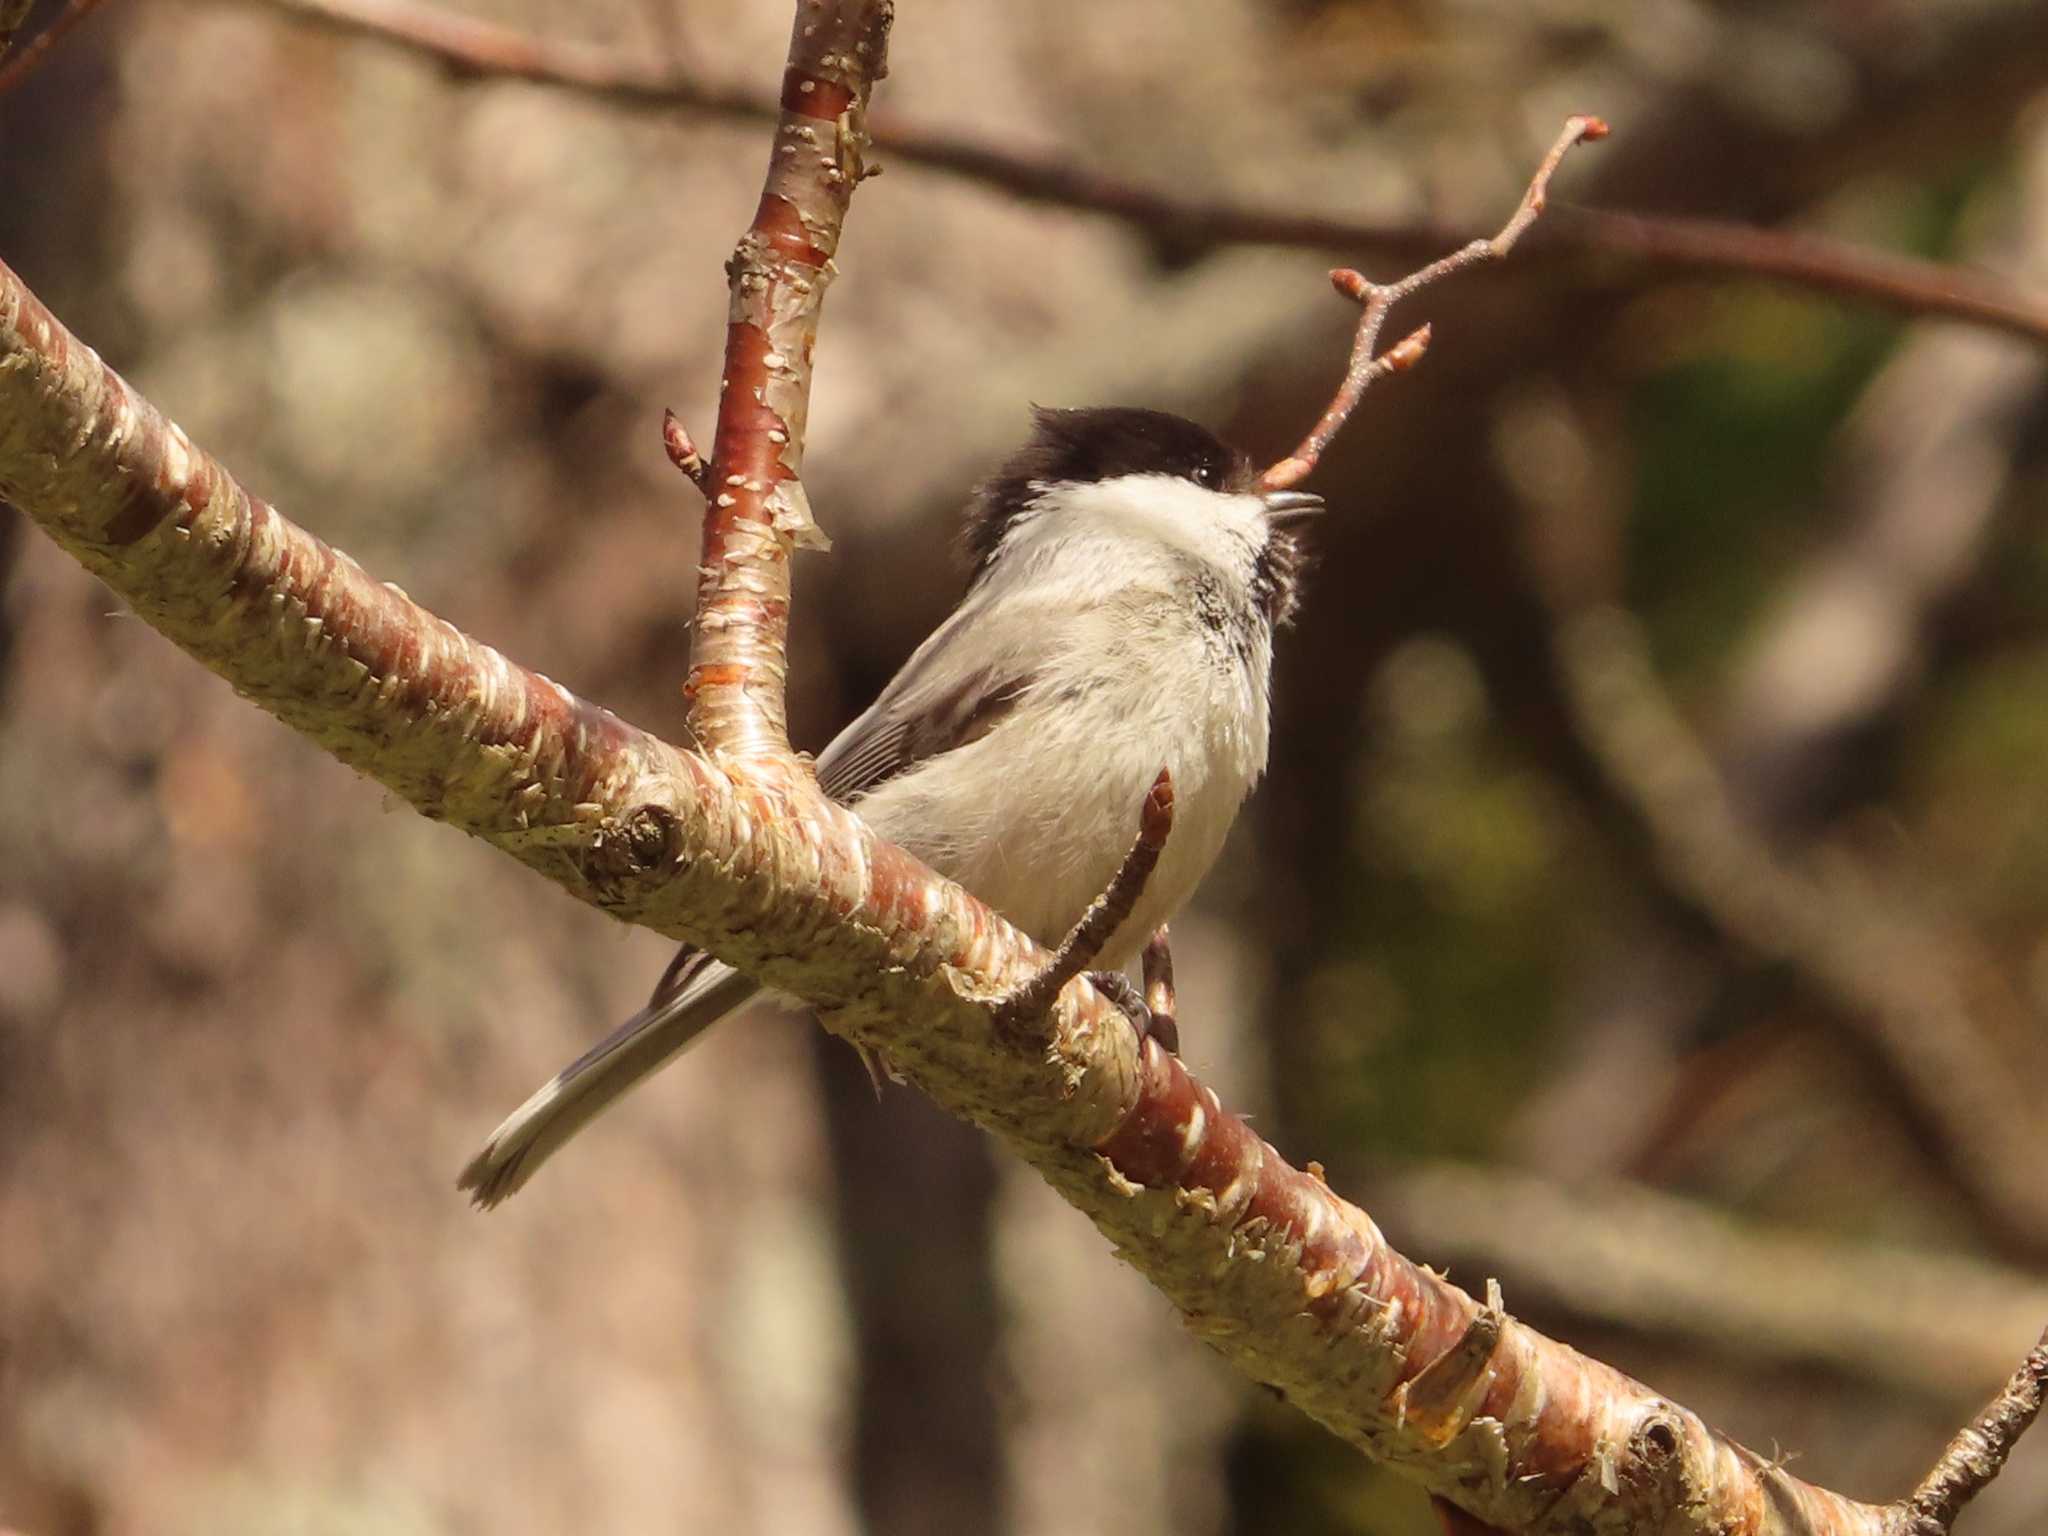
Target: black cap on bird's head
<point>1096,443</point>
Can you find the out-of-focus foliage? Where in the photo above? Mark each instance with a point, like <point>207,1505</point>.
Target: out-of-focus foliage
<point>250,1024</point>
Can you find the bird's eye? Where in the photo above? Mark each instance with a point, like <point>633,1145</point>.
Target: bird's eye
<point>1206,475</point>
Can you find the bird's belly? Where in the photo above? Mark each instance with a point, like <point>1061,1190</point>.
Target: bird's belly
<point>1039,847</point>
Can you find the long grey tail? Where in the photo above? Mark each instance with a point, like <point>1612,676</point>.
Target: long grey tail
<point>696,993</point>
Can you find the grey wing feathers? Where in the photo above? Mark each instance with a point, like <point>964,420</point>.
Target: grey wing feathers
<point>895,744</point>
<point>939,701</point>
<point>695,993</point>
<point>960,685</point>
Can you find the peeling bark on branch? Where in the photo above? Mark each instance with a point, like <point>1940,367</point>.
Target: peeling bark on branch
<point>759,515</point>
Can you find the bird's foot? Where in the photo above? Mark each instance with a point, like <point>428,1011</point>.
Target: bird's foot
<point>1122,991</point>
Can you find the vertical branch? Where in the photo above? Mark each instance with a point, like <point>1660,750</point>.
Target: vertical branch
<point>758,514</point>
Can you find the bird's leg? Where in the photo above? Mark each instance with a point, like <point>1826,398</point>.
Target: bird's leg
<point>1122,991</point>
<point>1160,1001</point>
<point>1034,999</point>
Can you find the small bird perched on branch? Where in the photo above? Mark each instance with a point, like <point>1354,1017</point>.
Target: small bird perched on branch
<point>1128,576</point>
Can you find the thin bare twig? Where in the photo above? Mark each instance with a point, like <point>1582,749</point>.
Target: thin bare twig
<point>1904,284</point>
<point>1978,1453</point>
<point>1367,364</point>
<point>682,452</point>
<point>1105,914</point>
<point>1160,999</point>
<point>42,44</point>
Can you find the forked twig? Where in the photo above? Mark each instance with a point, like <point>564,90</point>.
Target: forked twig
<point>1367,364</point>
<point>1104,916</point>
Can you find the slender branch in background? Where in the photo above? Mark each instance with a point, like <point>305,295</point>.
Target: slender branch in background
<point>39,47</point>
<point>1977,1454</point>
<point>1881,976</point>
<point>757,515</point>
<point>477,50</point>
<point>1107,913</point>
<point>1293,1285</point>
<point>682,452</point>
<point>1380,298</point>
<point>473,48</point>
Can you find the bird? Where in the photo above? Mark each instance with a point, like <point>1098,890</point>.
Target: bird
<point>1128,577</point>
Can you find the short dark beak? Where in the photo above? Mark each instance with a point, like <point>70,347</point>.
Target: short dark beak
<point>1286,509</point>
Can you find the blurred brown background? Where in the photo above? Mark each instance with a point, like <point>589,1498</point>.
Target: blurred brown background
<point>1645,906</point>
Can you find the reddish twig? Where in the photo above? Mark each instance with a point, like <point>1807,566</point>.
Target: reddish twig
<point>1886,977</point>
<point>39,47</point>
<point>758,515</point>
<point>682,452</point>
<point>1977,1454</point>
<point>1107,913</point>
<point>1367,364</point>
<point>1160,998</point>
